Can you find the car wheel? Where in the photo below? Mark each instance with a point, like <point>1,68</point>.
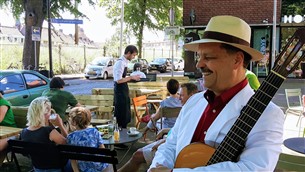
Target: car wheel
<point>105,75</point>
<point>87,77</point>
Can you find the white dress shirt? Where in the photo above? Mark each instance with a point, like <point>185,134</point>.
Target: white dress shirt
<point>262,147</point>
<point>118,68</point>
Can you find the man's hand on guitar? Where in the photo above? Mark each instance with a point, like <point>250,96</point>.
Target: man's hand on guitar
<point>160,168</point>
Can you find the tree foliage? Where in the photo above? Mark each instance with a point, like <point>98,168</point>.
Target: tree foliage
<point>138,14</point>
<point>112,45</point>
<point>293,7</point>
<point>35,12</point>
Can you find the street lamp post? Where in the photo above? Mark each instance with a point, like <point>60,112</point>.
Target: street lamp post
<point>122,22</point>
<point>50,39</point>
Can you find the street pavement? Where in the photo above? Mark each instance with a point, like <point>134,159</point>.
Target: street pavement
<point>291,130</point>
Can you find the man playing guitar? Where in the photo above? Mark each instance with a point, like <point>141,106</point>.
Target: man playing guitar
<point>208,116</point>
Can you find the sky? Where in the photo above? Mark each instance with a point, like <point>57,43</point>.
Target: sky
<point>97,28</point>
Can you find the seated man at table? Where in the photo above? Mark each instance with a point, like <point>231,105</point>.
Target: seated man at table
<point>147,153</point>
<point>172,101</point>
<point>60,99</point>
<point>6,119</point>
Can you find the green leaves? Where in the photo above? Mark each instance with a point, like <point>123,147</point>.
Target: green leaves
<point>138,14</point>
<point>293,7</point>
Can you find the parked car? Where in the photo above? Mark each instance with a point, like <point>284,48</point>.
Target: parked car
<point>20,87</point>
<point>143,62</point>
<point>161,64</point>
<point>178,64</point>
<point>100,67</point>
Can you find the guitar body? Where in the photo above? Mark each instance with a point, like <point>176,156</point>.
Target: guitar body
<point>194,155</point>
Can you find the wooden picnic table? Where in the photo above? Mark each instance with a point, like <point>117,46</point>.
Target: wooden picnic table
<point>91,108</point>
<point>6,132</point>
<point>95,121</point>
<point>147,92</point>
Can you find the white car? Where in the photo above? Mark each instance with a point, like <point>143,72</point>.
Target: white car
<point>100,67</point>
<point>178,63</point>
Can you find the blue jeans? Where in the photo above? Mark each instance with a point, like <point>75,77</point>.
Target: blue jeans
<point>47,170</point>
<point>67,168</point>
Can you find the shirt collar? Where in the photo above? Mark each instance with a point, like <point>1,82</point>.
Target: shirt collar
<point>124,59</point>
<point>226,96</point>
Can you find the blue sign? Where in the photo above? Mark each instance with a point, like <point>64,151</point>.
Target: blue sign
<point>35,33</point>
<point>67,21</point>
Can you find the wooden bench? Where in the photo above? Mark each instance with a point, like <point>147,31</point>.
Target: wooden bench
<point>20,114</point>
<point>104,102</point>
<point>102,91</point>
<point>180,79</point>
<point>149,85</point>
<point>59,154</point>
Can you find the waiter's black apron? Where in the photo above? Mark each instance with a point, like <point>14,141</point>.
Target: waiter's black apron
<point>122,102</point>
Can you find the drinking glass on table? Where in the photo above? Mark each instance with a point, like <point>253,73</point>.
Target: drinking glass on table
<point>110,128</point>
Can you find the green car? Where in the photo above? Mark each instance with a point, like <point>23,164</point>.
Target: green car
<point>20,87</point>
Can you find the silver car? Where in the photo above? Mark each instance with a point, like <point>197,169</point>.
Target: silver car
<point>100,67</point>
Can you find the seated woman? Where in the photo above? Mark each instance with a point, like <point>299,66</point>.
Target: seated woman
<point>41,129</point>
<point>85,136</point>
<point>172,101</point>
<point>6,119</point>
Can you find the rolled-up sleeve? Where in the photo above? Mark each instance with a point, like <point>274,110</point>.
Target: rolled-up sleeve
<point>118,70</point>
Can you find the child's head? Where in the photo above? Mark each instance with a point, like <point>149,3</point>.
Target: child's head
<point>80,117</point>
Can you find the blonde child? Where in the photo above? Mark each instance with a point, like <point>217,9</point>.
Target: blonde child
<point>83,135</point>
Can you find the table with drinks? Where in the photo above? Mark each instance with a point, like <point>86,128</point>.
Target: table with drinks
<point>113,135</point>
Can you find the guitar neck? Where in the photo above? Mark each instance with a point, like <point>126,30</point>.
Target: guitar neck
<point>233,143</point>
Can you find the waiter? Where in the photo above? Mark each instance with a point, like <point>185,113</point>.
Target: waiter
<point>121,91</point>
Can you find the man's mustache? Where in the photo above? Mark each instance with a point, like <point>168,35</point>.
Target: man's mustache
<point>204,69</point>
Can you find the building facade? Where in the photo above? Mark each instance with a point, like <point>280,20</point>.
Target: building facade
<point>258,14</point>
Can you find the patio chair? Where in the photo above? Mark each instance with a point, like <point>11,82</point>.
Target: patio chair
<point>294,103</point>
<point>140,104</point>
<point>288,162</point>
<point>167,112</point>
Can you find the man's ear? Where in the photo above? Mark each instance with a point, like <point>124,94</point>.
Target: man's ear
<point>239,59</point>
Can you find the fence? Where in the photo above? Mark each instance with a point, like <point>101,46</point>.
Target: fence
<point>151,53</point>
<point>65,58</point>
<point>68,58</point>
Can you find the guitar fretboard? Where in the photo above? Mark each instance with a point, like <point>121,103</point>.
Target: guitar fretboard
<point>234,141</point>
<point>287,61</point>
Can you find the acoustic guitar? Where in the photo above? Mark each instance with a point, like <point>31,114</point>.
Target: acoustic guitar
<point>199,154</point>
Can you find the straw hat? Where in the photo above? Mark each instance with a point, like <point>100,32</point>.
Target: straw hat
<point>229,30</point>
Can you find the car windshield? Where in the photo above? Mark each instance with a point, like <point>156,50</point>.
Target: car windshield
<point>100,61</point>
<point>160,60</point>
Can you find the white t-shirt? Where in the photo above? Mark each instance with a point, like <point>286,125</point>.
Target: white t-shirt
<point>142,75</point>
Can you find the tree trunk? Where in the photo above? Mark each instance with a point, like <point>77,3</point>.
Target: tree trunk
<point>141,29</point>
<point>34,15</point>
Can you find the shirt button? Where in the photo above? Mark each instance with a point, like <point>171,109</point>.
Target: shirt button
<point>214,111</point>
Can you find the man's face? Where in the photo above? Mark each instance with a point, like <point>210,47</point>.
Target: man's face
<point>183,96</point>
<point>130,56</point>
<point>217,67</point>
